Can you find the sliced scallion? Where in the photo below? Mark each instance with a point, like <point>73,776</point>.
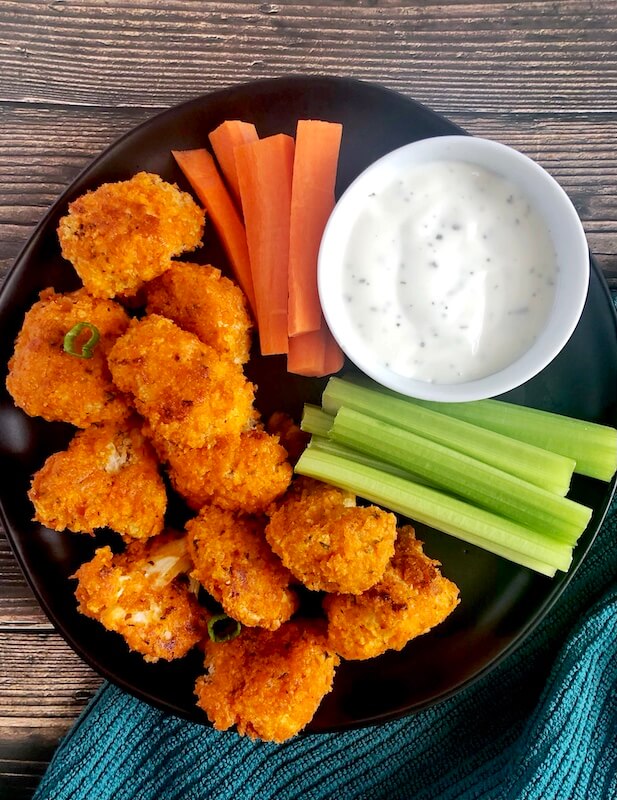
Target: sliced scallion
<point>87,349</point>
<point>222,628</point>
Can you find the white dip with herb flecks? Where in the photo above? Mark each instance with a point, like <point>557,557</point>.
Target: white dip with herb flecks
<point>449,273</point>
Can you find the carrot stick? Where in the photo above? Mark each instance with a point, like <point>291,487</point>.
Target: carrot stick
<point>264,173</point>
<point>334,356</point>
<point>224,139</point>
<point>200,170</point>
<point>315,353</point>
<point>312,200</point>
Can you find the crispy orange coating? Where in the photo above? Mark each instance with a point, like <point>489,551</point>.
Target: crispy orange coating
<point>200,300</point>
<point>108,477</point>
<point>411,598</point>
<point>327,542</point>
<point>244,472</point>
<point>123,234</point>
<point>185,390</point>
<point>140,595</point>
<point>268,684</point>
<point>235,564</point>
<point>47,382</point>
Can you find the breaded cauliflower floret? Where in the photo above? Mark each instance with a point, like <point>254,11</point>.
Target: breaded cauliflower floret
<point>328,542</point>
<point>244,472</point>
<point>108,477</point>
<point>411,598</point>
<point>139,595</point>
<point>123,234</point>
<point>235,564</point>
<point>45,381</point>
<point>185,390</point>
<point>268,684</point>
<point>200,300</point>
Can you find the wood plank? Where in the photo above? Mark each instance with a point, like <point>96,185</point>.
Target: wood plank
<point>19,609</point>
<point>43,683</point>
<point>43,688</point>
<point>542,57</point>
<point>24,755</point>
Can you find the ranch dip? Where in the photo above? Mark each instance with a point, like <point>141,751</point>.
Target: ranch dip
<point>449,273</point>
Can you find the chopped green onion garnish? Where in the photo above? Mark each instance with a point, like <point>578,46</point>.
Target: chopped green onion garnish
<point>222,628</point>
<point>87,349</point>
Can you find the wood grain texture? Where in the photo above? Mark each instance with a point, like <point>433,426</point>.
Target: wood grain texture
<point>539,57</point>
<point>541,76</point>
<point>19,610</point>
<point>43,688</point>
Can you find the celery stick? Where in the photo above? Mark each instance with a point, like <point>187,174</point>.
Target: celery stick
<point>448,514</point>
<point>324,445</point>
<point>318,424</point>
<point>464,476</point>
<point>592,446</point>
<point>545,469</point>
<point>315,420</point>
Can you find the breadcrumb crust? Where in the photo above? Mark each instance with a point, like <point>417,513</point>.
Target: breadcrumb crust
<point>267,684</point>
<point>123,234</point>
<point>327,542</point>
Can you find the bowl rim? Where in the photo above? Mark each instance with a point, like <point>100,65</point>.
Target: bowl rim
<point>470,149</point>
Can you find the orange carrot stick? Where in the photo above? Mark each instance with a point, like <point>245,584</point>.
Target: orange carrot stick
<point>307,354</point>
<point>224,139</point>
<point>264,174</point>
<point>314,354</point>
<point>312,200</point>
<point>334,356</point>
<point>200,170</point>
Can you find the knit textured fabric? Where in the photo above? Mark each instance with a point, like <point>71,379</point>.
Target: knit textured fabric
<point>542,725</point>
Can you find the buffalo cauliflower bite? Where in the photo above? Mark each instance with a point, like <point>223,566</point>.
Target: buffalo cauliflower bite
<point>328,542</point>
<point>185,390</point>
<point>200,300</point>
<point>108,477</point>
<point>268,684</point>
<point>46,381</point>
<point>244,472</point>
<point>235,564</point>
<point>123,234</point>
<point>139,595</point>
<point>411,598</point>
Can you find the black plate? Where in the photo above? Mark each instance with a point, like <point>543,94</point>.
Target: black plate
<point>500,601</point>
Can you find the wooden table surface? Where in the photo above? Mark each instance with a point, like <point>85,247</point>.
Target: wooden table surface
<point>541,76</point>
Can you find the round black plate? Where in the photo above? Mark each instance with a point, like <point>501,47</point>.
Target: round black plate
<point>500,602</point>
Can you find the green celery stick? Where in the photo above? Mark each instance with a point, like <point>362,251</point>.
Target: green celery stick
<point>466,477</point>
<point>324,445</point>
<point>315,420</point>
<point>592,446</point>
<point>545,469</point>
<point>448,514</point>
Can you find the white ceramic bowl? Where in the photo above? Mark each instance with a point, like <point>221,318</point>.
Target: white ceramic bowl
<point>547,198</point>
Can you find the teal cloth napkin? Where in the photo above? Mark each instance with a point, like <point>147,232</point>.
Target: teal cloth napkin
<point>542,725</point>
